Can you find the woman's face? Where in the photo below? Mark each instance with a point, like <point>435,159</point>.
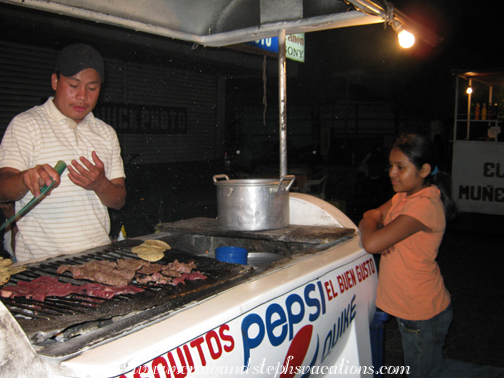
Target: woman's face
<point>405,177</point>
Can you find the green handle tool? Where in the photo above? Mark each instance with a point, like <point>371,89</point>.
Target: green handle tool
<point>59,167</point>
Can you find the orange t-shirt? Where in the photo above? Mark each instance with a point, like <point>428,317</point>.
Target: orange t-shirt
<point>410,284</point>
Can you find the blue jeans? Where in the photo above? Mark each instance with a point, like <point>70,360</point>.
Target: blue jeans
<point>422,343</point>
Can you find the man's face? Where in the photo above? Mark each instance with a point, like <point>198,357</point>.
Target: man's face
<point>76,96</point>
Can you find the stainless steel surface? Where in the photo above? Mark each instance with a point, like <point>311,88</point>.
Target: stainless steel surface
<point>282,101</point>
<point>253,204</point>
<point>259,259</point>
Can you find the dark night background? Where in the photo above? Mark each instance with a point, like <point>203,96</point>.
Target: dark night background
<point>419,79</point>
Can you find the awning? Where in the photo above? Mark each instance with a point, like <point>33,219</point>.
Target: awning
<point>227,22</point>
<point>489,77</point>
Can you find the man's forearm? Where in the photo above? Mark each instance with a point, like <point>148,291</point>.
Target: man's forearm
<point>12,187</point>
<point>112,194</point>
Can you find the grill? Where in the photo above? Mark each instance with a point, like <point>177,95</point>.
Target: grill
<point>63,326</point>
<point>81,320</point>
<point>316,276</point>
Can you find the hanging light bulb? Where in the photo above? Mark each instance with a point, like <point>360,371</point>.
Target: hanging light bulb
<point>406,39</point>
<point>469,90</point>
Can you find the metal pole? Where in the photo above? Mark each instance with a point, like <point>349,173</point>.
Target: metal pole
<point>282,101</point>
<point>455,116</point>
<point>490,101</point>
<point>469,111</point>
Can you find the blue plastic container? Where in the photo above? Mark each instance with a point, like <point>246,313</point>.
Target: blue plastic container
<point>377,343</point>
<point>235,255</point>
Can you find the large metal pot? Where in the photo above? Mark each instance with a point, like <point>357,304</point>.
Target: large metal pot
<point>253,204</point>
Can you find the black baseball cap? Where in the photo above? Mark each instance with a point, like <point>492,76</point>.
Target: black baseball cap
<point>77,57</point>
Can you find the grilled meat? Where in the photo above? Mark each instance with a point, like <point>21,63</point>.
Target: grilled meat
<point>121,272</point>
<point>188,276</point>
<point>163,274</point>
<point>113,273</point>
<point>45,286</point>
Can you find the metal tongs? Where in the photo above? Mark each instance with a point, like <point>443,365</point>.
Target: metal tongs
<point>59,167</point>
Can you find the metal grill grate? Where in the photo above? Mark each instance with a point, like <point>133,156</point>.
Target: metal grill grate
<point>61,318</point>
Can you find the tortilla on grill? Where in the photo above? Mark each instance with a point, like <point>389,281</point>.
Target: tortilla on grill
<point>14,270</point>
<point>157,243</point>
<point>151,256</point>
<point>146,249</point>
<point>5,262</point>
<point>151,250</point>
<point>7,270</point>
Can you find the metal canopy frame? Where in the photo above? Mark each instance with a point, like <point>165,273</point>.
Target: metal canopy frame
<point>225,22</point>
<point>210,22</point>
<point>218,23</point>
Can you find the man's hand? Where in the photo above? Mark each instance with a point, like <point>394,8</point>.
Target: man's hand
<point>38,176</point>
<point>90,176</point>
<point>7,209</point>
<point>112,193</point>
<point>14,184</point>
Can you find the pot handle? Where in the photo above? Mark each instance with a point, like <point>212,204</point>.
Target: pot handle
<point>216,177</point>
<point>286,177</point>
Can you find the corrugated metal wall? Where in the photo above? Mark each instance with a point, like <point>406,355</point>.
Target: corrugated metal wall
<point>25,73</point>
<point>25,79</point>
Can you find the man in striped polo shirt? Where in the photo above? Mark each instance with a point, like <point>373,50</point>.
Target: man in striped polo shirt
<point>74,217</point>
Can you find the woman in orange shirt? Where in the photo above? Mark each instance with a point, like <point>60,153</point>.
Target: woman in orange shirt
<point>407,231</point>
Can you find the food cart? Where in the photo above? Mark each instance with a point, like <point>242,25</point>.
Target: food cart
<point>305,299</point>
<point>478,143</point>
<point>301,306</point>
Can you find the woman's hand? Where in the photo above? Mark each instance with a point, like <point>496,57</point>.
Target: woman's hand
<point>378,238</point>
<point>382,240</point>
<point>376,215</point>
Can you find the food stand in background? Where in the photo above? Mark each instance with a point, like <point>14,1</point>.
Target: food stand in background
<point>478,143</point>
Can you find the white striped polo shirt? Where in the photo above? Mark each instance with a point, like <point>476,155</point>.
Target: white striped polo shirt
<point>71,218</point>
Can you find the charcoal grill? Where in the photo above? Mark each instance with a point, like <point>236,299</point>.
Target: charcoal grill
<point>56,318</point>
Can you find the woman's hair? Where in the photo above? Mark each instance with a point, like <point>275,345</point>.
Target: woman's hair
<point>420,150</point>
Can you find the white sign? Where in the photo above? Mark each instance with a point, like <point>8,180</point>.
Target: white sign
<point>478,176</point>
<point>295,47</point>
<point>305,331</point>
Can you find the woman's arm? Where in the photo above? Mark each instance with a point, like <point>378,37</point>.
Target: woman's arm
<point>379,214</point>
<point>376,239</point>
